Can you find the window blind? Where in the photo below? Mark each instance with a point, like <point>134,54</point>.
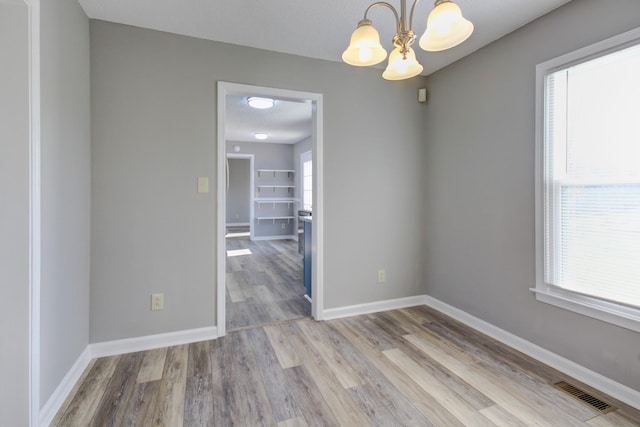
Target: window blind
<point>592,177</point>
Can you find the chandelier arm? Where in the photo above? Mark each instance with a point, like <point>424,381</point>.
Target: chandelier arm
<point>385,4</point>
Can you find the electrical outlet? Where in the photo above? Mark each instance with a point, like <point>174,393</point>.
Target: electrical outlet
<point>157,302</point>
<point>284,225</point>
<point>381,276</point>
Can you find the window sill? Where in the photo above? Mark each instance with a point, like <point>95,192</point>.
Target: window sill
<point>617,314</point>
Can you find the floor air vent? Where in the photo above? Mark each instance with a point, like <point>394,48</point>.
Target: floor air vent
<point>594,402</point>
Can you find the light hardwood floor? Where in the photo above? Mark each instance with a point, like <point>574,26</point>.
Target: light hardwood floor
<point>265,286</point>
<point>409,367</point>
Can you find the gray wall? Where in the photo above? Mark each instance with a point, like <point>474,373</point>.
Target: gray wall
<point>267,155</point>
<point>239,191</point>
<point>14,215</point>
<point>66,186</point>
<point>154,131</point>
<point>478,194</point>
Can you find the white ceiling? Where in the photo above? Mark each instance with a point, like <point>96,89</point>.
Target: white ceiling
<point>318,29</point>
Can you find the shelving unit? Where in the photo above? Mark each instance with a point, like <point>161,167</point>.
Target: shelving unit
<point>274,216</point>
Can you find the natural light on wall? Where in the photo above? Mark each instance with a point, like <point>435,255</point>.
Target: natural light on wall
<point>592,177</point>
<point>307,182</point>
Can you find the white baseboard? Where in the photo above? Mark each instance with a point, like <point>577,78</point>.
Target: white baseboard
<point>148,342</point>
<point>283,237</point>
<point>55,402</point>
<point>372,307</point>
<point>614,389</point>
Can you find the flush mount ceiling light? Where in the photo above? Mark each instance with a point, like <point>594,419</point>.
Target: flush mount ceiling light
<point>446,28</point>
<point>260,103</point>
<point>260,135</point>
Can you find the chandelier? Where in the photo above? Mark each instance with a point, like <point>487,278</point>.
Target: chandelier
<point>446,28</point>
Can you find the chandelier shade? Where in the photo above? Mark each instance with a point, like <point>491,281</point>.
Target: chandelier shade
<point>446,28</point>
<point>365,48</point>
<point>400,68</point>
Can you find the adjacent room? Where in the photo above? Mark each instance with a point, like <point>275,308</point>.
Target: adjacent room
<point>429,216</point>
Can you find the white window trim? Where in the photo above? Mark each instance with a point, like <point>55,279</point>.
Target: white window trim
<point>614,313</point>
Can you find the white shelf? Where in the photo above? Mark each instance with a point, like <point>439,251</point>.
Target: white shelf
<point>275,218</point>
<point>288,187</point>
<point>276,171</point>
<point>274,202</point>
<point>276,237</point>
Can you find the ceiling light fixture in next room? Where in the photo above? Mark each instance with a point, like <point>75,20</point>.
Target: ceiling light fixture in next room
<point>260,103</point>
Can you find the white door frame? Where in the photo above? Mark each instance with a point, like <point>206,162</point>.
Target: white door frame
<point>33,16</point>
<point>251,158</point>
<point>224,89</point>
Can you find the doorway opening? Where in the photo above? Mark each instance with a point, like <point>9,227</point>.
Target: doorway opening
<point>259,266</point>
<point>239,195</point>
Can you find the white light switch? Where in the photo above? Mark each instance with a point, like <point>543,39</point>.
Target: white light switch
<point>203,184</point>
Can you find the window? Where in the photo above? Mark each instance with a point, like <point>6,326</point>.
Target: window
<point>307,180</point>
<point>588,186</point>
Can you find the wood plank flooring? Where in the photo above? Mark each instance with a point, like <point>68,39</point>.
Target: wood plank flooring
<point>409,367</point>
<point>265,286</point>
